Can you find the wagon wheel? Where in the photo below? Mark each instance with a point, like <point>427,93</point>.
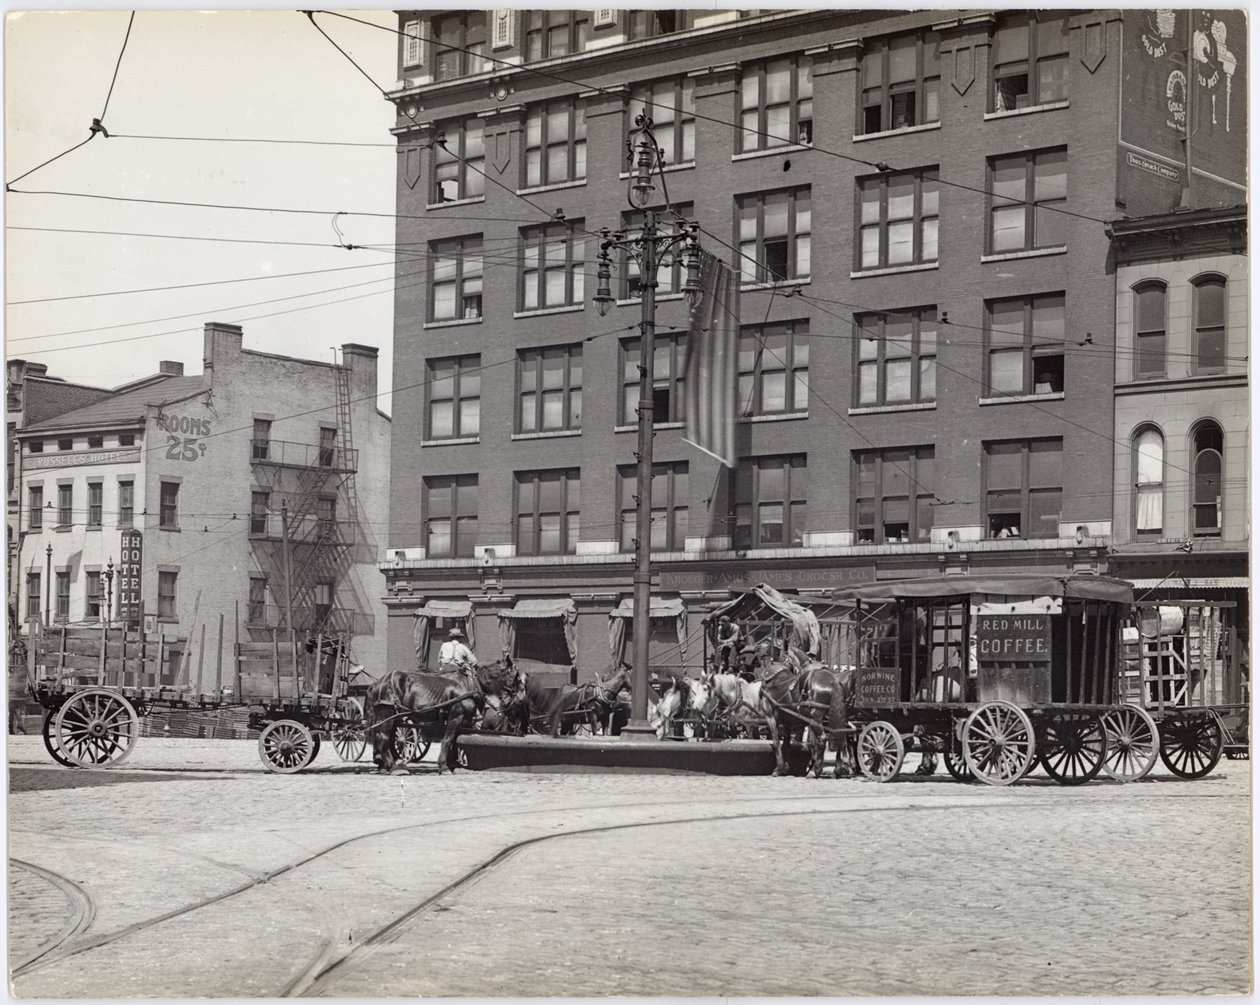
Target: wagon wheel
<point>349,735</point>
<point>998,743</point>
<point>286,746</point>
<point>956,765</point>
<point>411,744</point>
<point>1190,746</point>
<point>1074,747</point>
<point>51,744</point>
<point>96,728</point>
<point>880,751</point>
<point>1132,743</point>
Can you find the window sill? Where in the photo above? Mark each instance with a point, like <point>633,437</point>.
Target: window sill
<point>681,166</point>
<point>537,189</point>
<point>758,287</point>
<point>1010,256</point>
<point>452,441</point>
<point>903,131</point>
<point>912,406</point>
<point>173,530</point>
<point>894,270</point>
<point>64,528</point>
<point>1009,399</point>
<point>657,425</point>
<point>544,311</point>
<point>472,200</point>
<point>124,526</point>
<point>773,417</point>
<point>787,148</point>
<point>1049,106</point>
<point>549,434</point>
<point>93,526</point>
<point>452,323</point>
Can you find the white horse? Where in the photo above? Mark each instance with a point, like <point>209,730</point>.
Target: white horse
<point>739,700</point>
<point>686,694</point>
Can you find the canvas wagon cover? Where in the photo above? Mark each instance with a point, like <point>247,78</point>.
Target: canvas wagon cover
<point>805,631</point>
<point>1084,587</point>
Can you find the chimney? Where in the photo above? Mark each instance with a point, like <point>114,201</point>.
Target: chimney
<point>361,359</point>
<point>222,345</point>
<point>171,368</point>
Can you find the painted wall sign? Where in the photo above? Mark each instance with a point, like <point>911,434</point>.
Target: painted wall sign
<point>73,458</point>
<point>785,578</point>
<point>184,434</point>
<point>1154,167</point>
<point>1013,638</point>
<point>130,600</point>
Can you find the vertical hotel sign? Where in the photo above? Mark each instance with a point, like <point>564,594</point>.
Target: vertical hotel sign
<point>130,601</point>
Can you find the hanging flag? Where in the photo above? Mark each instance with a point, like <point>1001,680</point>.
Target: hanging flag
<point>711,362</point>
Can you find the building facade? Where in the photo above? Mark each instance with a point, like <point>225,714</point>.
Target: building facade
<point>216,507</point>
<point>916,204</point>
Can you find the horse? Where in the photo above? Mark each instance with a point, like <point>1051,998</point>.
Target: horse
<point>547,706</point>
<point>737,699</point>
<point>685,694</point>
<point>815,699</point>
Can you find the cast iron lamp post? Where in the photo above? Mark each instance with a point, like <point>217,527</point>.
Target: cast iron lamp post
<point>108,576</point>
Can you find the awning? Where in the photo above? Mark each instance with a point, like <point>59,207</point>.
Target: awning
<point>1195,583</point>
<point>446,609</point>
<point>658,607</point>
<point>561,607</point>
<point>1086,587</point>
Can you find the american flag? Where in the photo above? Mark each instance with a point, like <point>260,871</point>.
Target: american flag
<point>712,388</point>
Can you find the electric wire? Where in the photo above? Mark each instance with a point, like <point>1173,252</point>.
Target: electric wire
<point>118,65</point>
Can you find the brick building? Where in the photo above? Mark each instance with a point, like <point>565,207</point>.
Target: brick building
<point>184,483</point>
<point>917,205</point>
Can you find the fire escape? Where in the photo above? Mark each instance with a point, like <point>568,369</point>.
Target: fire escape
<point>305,531</point>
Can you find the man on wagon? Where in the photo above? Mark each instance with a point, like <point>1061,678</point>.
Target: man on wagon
<point>728,643</point>
<point>457,657</point>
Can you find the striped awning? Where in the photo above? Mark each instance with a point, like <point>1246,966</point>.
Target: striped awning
<point>1195,583</point>
<point>446,609</point>
<point>659,607</point>
<point>560,607</point>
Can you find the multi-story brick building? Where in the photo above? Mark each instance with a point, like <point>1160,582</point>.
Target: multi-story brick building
<point>181,487</point>
<point>917,205</point>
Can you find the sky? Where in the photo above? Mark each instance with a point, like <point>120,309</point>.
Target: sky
<point>227,76</point>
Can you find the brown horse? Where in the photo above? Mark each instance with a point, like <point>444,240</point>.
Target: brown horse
<point>816,699</point>
<point>594,700</point>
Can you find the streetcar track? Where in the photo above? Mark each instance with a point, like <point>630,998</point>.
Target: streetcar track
<point>82,910</point>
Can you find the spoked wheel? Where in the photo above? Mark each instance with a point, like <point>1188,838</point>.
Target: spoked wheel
<point>956,765</point>
<point>349,736</point>
<point>1074,747</point>
<point>51,744</point>
<point>96,728</point>
<point>1190,745</point>
<point>411,744</point>
<point>998,743</point>
<point>880,751</point>
<point>286,746</point>
<point>1132,744</point>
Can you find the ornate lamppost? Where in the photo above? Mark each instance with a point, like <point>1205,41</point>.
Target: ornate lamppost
<point>108,576</point>
<point>647,248</point>
<point>48,588</point>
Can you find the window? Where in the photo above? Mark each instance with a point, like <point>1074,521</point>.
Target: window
<point>1209,325</point>
<point>92,608</point>
<point>63,596</point>
<point>1150,330</point>
<point>454,397</point>
<point>1023,488</point>
<point>450,516</point>
<point>95,492</point>
<point>325,515</point>
<point>1030,60</point>
<point>168,518</point>
<point>900,219</point>
<point>1209,452</point>
<point>1148,464</point>
<point>1028,192</point>
<point>1026,344</point>
<point>459,44</point>
<point>553,258</point>
<point>776,103</point>
<point>774,368</point>
<point>893,495</point>
<point>671,105</point>
<point>126,439</point>
<point>550,388</point>
<point>552,33</point>
<point>669,506</point>
<point>547,504</point>
<point>96,442</point>
<point>769,501</point>
<point>455,279</point>
<point>774,236</point>
<point>668,379</point>
<point>411,44</point>
<point>35,508</point>
<point>256,608</point>
<point>34,446</point>
<point>901,83</point>
<point>32,596</point>
<point>555,143</point>
<point>166,594</point>
<point>669,271</point>
<point>458,162</point>
<point>327,446</point>
<point>650,23</point>
<point>896,354</point>
<point>260,448</point>
<point>126,503</point>
<point>259,505</point>
<point>65,505</point>
<point>65,444</point>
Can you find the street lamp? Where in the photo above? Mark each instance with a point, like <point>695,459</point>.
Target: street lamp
<point>108,576</point>
<point>48,588</point>
<point>646,248</point>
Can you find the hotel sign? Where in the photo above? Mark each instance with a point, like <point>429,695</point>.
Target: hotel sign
<point>130,602</point>
<point>74,458</point>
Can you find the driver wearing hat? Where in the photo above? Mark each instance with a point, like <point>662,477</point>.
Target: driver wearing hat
<point>455,654</point>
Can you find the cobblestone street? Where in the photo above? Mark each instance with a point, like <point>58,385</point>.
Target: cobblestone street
<point>229,881</point>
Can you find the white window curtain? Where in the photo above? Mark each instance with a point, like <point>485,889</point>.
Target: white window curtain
<point>1150,480</point>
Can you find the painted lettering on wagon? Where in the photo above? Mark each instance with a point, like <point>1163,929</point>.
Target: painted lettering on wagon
<point>1023,638</point>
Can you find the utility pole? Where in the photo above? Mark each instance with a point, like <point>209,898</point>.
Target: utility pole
<point>288,574</point>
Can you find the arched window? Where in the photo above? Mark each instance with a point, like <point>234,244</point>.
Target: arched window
<point>1209,469</point>
<point>1150,330</point>
<point>1148,465</point>
<point>1209,325</point>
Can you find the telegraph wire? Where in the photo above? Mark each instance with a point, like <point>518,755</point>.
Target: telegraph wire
<point>117,67</point>
<point>252,139</point>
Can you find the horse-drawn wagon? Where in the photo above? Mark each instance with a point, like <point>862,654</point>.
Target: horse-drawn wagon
<point>1004,673</point>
